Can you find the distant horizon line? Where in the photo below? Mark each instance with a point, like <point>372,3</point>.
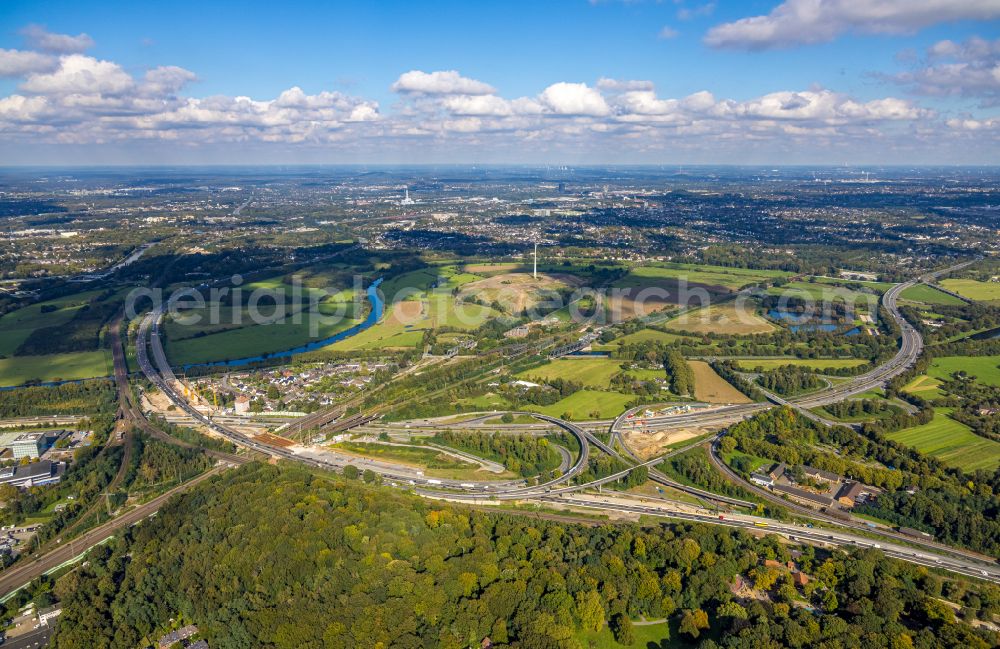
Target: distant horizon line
<point>502,165</point>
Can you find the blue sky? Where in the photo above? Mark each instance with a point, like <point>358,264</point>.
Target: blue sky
<point>878,85</point>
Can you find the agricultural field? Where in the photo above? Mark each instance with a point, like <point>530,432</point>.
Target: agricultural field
<point>587,404</point>
<point>18,370</point>
<point>712,388</point>
<point>215,332</point>
<point>822,292</point>
<point>591,372</point>
<point>722,319</point>
<point>648,289</point>
<point>646,335</point>
<point>985,368</point>
<point>813,363</point>
<point>973,289</point>
<point>951,442</point>
<point>17,325</point>
<point>249,341</point>
<point>881,287</point>
<point>929,295</point>
<point>404,323</point>
<point>44,363</point>
<point>724,276</point>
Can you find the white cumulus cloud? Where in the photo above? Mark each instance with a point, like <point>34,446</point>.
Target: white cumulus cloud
<point>798,22</point>
<point>40,38</point>
<point>574,99</point>
<point>967,69</point>
<point>79,74</point>
<point>443,82</point>
<point>18,63</point>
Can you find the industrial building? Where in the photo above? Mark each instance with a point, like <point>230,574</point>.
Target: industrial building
<point>34,474</point>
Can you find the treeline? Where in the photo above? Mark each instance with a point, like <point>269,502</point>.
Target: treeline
<point>602,466</point>
<point>730,372</point>
<point>957,507</point>
<point>790,379</point>
<point>526,455</point>
<point>548,392</point>
<point>159,463</point>
<point>342,565</point>
<point>854,408</point>
<point>82,333</point>
<point>694,467</point>
<point>80,398</point>
<point>959,319</point>
<point>679,374</point>
<point>804,345</point>
<point>977,405</point>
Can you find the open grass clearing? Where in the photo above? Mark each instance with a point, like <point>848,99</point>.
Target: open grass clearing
<point>645,635</point>
<point>591,372</point>
<point>485,402</point>
<point>951,442</point>
<point>712,388</point>
<point>929,295</point>
<point>587,405</point>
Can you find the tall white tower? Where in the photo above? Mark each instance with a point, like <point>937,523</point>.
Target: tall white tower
<point>534,273</point>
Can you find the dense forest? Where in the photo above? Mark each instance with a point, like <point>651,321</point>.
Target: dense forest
<point>267,556</point>
<point>522,454</point>
<point>67,399</point>
<point>790,379</point>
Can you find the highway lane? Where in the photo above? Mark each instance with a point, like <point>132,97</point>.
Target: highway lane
<point>911,344</point>
<point>161,375</point>
<point>430,488</point>
<point>805,510</point>
<point>793,531</point>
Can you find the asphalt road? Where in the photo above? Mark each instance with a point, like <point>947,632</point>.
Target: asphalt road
<point>162,376</point>
<point>34,639</point>
<point>794,531</point>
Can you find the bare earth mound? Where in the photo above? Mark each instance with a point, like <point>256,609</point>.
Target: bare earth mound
<point>518,291</point>
<point>649,445</point>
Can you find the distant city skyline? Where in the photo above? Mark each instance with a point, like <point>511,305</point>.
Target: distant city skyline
<point>564,82</point>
